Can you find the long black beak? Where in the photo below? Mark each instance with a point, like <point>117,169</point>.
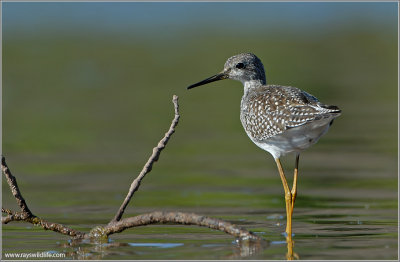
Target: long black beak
<point>214,78</point>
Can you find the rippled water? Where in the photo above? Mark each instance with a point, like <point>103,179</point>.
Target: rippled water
<point>340,229</point>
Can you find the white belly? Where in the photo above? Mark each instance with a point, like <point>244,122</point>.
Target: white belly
<point>294,139</point>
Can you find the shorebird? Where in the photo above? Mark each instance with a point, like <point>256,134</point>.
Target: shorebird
<point>278,119</point>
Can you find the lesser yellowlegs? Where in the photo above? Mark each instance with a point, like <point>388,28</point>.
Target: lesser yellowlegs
<point>278,119</point>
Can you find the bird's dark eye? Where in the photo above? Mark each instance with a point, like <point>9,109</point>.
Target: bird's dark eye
<point>239,65</point>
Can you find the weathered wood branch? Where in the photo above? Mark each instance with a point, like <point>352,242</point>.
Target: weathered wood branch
<point>179,218</point>
<point>12,182</point>
<point>149,164</point>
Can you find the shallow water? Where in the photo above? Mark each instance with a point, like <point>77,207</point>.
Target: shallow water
<point>328,223</point>
<point>352,233</point>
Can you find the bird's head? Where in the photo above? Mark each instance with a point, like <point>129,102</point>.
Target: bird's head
<point>243,67</point>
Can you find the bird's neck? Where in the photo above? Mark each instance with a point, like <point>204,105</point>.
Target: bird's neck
<point>251,84</point>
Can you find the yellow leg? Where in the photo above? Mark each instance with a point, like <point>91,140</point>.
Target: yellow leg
<point>288,198</point>
<point>294,187</point>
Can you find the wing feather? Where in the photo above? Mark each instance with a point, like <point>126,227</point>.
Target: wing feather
<point>274,109</point>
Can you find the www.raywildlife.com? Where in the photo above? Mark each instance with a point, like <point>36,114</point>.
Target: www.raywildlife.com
<point>34,255</point>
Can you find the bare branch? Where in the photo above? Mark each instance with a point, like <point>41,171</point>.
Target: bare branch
<point>46,225</point>
<point>14,216</point>
<point>57,228</point>
<point>12,182</point>
<point>179,218</point>
<point>149,164</point>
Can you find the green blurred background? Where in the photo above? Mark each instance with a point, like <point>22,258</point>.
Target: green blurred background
<point>87,91</point>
